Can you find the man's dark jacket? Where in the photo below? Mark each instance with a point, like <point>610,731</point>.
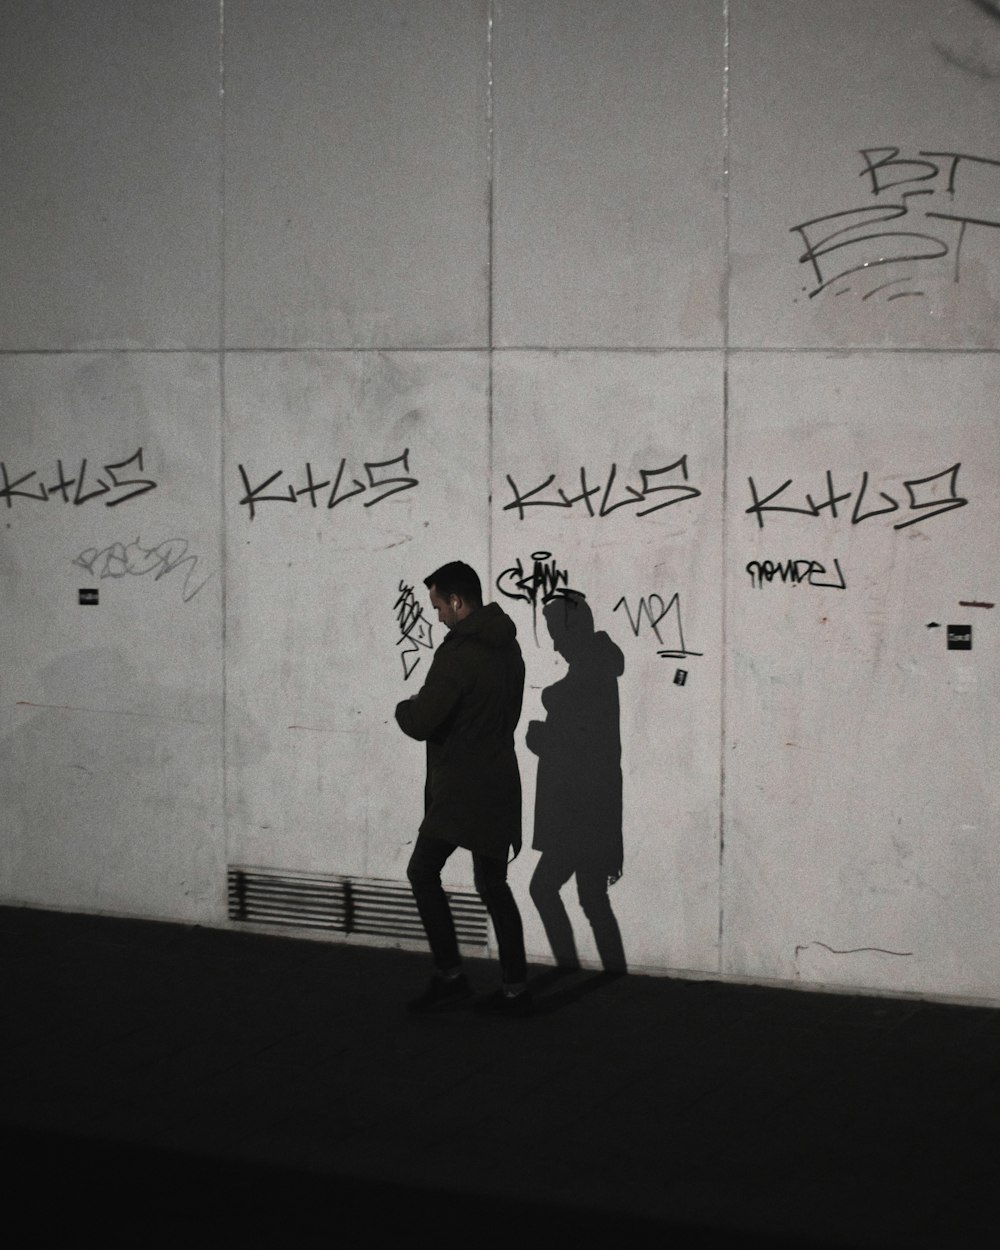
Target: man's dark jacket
<point>466,712</point>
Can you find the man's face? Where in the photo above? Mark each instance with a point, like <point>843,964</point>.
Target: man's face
<point>446,609</point>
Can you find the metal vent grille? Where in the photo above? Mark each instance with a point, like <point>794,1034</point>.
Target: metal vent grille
<point>343,904</point>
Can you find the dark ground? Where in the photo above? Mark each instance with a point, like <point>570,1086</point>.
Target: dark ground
<point>167,1085</point>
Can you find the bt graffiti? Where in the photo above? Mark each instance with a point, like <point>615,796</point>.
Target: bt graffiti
<point>376,471</point>
<point>85,491</point>
<point>794,571</point>
<point>656,612</point>
<point>857,241</point>
<point>928,497</point>
<point>135,560</point>
<point>667,485</point>
<point>415,631</point>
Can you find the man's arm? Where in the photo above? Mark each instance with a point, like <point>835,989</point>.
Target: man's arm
<point>425,712</point>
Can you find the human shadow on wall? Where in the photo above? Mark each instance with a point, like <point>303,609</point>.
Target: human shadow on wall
<point>578,794</point>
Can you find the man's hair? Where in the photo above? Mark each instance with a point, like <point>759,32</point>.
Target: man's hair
<point>457,578</point>
<point>569,612</point>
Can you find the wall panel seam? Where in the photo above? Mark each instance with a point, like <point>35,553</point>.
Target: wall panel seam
<point>724,536</point>
<point>223,528</point>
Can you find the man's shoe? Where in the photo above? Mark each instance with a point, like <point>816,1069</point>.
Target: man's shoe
<point>500,1004</point>
<point>442,995</point>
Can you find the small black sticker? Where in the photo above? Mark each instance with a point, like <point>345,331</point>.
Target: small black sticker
<point>680,677</point>
<point>89,596</point>
<point>959,637</point>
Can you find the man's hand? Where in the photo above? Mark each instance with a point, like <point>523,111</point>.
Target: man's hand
<point>535,737</point>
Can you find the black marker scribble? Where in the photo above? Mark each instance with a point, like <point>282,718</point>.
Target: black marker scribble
<point>545,582</point>
<point>929,497</point>
<point>884,286</point>
<point>415,631</point>
<point>376,472</point>
<point>116,471</point>
<point>655,611</point>
<point>854,950</point>
<point>866,238</point>
<point>135,560</point>
<point>667,485</point>
<point>794,571</point>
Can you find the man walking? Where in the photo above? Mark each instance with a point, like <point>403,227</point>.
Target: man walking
<point>466,712</point>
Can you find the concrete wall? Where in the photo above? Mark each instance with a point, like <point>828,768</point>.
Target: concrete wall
<point>299,300</point>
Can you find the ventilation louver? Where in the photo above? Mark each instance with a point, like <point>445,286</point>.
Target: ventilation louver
<point>343,905</point>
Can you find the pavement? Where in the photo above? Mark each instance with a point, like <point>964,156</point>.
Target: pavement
<point>176,1085</point>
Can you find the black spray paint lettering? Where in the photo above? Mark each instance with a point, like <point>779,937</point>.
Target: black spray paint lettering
<point>929,497</point>
<point>795,572</point>
<point>135,560</point>
<point>544,582</point>
<point>855,241</point>
<point>415,631</point>
<point>651,614</point>
<point>117,472</point>
<point>665,486</point>
<point>377,472</point>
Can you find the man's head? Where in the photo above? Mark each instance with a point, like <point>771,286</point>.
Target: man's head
<point>455,592</point>
<point>570,622</point>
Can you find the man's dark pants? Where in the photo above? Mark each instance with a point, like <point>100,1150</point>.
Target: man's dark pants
<point>490,877</point>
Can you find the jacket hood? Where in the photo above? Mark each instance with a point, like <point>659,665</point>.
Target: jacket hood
<point>609,654</point>
<point>489,624</point>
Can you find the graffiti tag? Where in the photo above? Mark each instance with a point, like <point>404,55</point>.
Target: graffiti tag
<point>928,497</point>
<point>135,560</point>
<point>31,486</point>
<point>660,488</point>
<point>415,631</point>
<point>380,482</point>
<point>938,198</point>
